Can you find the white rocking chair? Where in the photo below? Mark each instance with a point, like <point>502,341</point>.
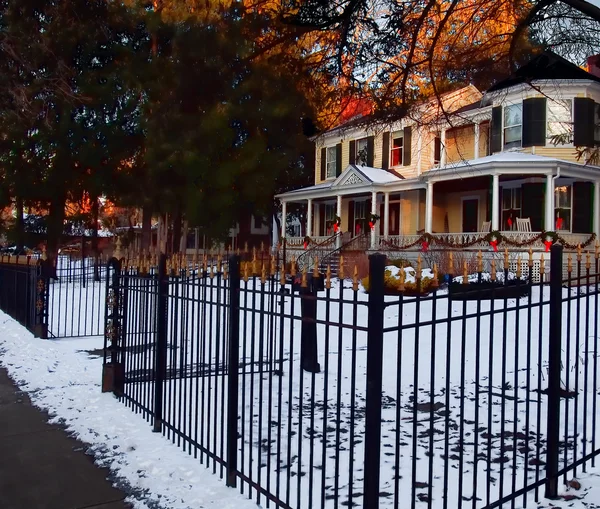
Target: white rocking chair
<point>523,224</point>
<point>486,227</point>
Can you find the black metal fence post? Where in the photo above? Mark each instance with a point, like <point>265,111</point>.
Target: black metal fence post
<point>554,363</point>
<point>40,279</point>
<point>233,371</point>
<point>374,381</point>
<point>160,357</point>
<point>113,372</point>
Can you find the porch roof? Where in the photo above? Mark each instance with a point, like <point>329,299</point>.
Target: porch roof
<point>354,179</point>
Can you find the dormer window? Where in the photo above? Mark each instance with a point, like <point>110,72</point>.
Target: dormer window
<point>397,148</point>
<point>513,122</point>
<point>362,152</point>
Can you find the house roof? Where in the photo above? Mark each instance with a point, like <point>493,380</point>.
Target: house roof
<point>545,66</point>
<point>375,175</point>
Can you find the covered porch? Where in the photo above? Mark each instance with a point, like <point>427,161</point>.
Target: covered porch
<point>517,195</point>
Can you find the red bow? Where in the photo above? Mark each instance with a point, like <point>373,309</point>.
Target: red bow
<point>305,244</point>
<point>425,246</point>
<point>509,221</point>
<point>559,223</point>
<point>335,227</point>
<point>548,244</point>
<point>357,229</point>
<point>371,225</point>
<point>494,244</point>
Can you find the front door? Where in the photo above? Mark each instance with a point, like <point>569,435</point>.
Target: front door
<point>470,215</point>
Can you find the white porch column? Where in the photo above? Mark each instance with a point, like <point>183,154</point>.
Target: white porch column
<point>318,231</point>
<point>597,208</point>
<point>283,219</point>
<point>496,202</point>
<point>443,149</point>
<point>309,218</point>
<point>374,211</point>
<point>386,215</point>
<point>339,214</point>
<point>429,208</point>
<point>549,221</point>
<point>476,149</point>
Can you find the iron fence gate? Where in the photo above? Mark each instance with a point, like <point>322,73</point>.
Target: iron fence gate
<point>307,392</point>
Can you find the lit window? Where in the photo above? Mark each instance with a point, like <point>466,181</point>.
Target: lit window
<point>560,120</point>
<point>397,148</point>
<point>513,119</point>
<point>562,208</point>
<point>331,162</point>
<point>361,152</point>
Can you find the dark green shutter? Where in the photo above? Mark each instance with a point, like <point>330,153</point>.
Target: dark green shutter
<point>437,149</point>
<point>322,207</point>
<point>582,207</point>
<point>338,159</point>
<point>385,157</point>
<point>534,205</point>
<point>407,146</point>
<point>583,119</point>
<point>370,151</point>
<point>351,217</point>
<point>352,152</point>
<point>323,163</point>
<point>534,122</point>
<point>496,141</point>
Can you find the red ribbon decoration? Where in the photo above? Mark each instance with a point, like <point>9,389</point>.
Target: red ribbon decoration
<point>559,223</point>
<point>335,227</point>
<point>425,246</point>
<point>305,244</point>
<point>494,244</point>
<point>509,221</point>
<point>371,225</point>
<point>357,229</point>
<point>548,244</point>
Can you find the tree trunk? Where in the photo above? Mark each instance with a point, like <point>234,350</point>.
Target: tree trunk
<point>20,226</point>
<point>95,252</point>
<point>146,228</point>
<point>55,229</point>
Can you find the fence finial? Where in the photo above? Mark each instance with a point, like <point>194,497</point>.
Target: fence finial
<point>304,280</point>
<point>118,253</point>
<point>436,281</point>
<point>341,269</point>
<point>401,280</point>
<point>262,246</point>
<point>282,276</point>
<point>263,274</point>
<point>246,272</point>
<point>316,267</point>
<point>219,263</point>
<point>273,265</point>
<point>518,267</point>
<point>450,263</point>
<point>465,273</point>
<point>479,261</point>
<point>530,262</point>
<point>569,263</point>
<point>493,271</point>
<point>419,268</point>
<point>44,254</point>
<point>355,279</point>
<point>588,263</point>
<point>293,266</point>
<point>578,252</point>
<point>225,273</point>
<point>328,277</point>
<point>505,259</point>
<point>245,248</point>
<point>542,265</point>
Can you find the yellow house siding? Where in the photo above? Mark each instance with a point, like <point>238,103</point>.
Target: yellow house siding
<point>439,213</point>
<point>565,153</point>
<point>409,208</point>
<point>484,139</point>
<point>317,164</point>
<point>460,144</point>
<point>454,208</point>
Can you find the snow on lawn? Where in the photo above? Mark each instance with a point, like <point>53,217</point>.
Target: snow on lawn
<point>61,376</point>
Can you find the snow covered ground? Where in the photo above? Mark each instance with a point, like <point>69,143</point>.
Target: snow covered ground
<point>63,377</point>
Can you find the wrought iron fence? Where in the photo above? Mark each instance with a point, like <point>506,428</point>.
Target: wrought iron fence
<point>307,392</point>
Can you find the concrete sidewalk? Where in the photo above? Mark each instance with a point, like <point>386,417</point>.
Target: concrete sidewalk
<point>41,467</point>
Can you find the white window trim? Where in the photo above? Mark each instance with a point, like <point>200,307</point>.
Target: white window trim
<point>334,176</point>
<point>570,185</point>
<point>356,150</point>
<point>462,200</point>
<point>399,165</point>
<point>520,146</point>
<point>263,230</point>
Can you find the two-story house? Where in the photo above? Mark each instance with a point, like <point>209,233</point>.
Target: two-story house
<point>512,159</point>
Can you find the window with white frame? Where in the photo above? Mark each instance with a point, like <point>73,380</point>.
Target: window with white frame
<point>361,155</point>
<point>397,148</point>
<point>513,123</point>
<point>562,208</point>
<point>560,119</point>
<point>360,217</point>
<point>597,123</point>
<point>331,162</point>
<point>511,207</point>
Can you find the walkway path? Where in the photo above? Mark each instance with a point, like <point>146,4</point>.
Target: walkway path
<point>41,467</point>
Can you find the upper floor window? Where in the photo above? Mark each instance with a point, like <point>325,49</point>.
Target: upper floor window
<point>437,150</point>
<point>397,148</point>
<point>331,162</point>
<point>560,120</point>
<point>513,121</point>
<point>362,151</point>
<point>597,123</point>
